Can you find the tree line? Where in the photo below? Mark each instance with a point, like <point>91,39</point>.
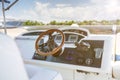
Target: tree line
<point>85,22</point>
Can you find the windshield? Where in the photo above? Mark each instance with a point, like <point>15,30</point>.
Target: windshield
<point>99,16</point>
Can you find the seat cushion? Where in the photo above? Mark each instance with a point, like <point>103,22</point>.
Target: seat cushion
<point>11,63</point>
<point>40,73</point>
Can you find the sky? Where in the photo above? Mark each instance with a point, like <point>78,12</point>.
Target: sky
<point>62,10</point>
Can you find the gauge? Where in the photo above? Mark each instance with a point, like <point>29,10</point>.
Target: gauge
<point>80,60</point>
<point>89,61</point>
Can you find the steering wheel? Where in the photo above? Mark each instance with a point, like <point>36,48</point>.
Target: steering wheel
<point>50,47</point>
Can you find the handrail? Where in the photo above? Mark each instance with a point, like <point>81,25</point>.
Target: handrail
<point>11,5</point>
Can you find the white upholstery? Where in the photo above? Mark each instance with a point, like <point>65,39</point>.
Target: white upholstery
<point>40,73</point>
<point>12,66</point>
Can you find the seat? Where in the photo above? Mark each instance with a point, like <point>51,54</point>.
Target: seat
<point>40,73</point>
<point>13,68</point>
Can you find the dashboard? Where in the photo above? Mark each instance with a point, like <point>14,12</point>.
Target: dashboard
<point>84,52</point>
<point>82,55</point>
<point>92,53</point>
<point>77,50</point>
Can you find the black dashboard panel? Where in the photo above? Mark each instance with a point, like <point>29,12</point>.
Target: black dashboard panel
<point>79,55</point>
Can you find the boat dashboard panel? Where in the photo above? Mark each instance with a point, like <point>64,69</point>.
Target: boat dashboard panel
<point>86,53</point>
<point>92,51</point>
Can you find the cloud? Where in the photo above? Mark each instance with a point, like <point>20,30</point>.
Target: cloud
<point>94,10</point>
<point>62,5</point>
<point>102,9</point>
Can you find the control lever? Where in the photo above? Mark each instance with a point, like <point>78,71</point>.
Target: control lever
<point>76,44</point>
<point>83,46</point>
<point>98,52</point>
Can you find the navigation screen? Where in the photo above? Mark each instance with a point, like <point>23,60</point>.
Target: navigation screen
<point>73,38</point>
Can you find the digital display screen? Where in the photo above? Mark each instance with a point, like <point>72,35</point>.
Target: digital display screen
<point>73,38</point>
